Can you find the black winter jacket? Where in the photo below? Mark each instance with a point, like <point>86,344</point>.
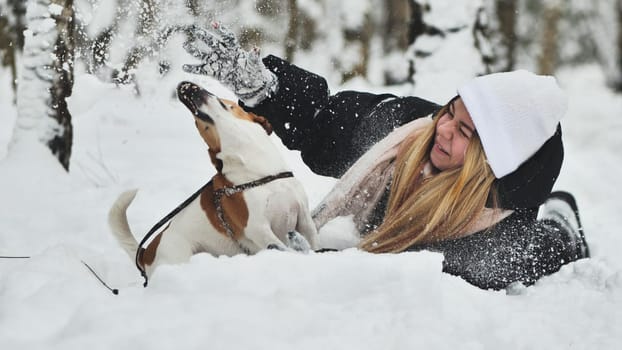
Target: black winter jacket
<point>333,131</point>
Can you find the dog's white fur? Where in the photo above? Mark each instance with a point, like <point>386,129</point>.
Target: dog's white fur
<point>274,209</point>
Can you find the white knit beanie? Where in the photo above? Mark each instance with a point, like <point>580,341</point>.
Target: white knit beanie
<point>514,114</point>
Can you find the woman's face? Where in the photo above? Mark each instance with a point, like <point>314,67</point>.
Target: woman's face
<point>453,133</point>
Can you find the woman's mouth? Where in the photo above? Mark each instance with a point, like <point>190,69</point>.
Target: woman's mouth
<point>439,148</point>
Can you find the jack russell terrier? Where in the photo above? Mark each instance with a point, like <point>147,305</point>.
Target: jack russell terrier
<point>252,203</point>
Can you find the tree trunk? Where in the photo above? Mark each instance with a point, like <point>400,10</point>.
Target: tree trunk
<point>18,8</point>
<point>547,60</point>
<point>11,36</point>
<point>397,34</point>
<point>62,85</point>
<point>358,40</point>
<point>47,78</point>
<point>416,25</point>
<point>291,39</point>
<point>506,17</point>
<point>481,39</point>
<point>7,48</point>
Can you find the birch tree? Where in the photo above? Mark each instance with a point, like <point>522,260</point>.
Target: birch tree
<point>47,78</point>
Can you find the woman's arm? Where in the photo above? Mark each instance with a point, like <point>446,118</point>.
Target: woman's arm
<point>518,249</point>
<point>331,131</point>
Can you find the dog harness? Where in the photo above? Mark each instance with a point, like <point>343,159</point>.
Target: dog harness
<point>218,194</point>
<point>231,190</point>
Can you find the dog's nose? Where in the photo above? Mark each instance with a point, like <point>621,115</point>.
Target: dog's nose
<point>192,95</point>
<point>191,91</point>
<point>185,86</point>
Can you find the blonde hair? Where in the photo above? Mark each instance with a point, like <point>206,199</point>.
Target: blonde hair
<point>424,210</point>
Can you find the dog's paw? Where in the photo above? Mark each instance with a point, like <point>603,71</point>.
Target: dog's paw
<point>297,242</point>
<point>274,246</point>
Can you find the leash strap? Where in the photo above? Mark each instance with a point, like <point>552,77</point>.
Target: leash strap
<point>158,225</point>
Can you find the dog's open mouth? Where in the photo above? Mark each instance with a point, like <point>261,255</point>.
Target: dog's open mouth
<point>193,97</point>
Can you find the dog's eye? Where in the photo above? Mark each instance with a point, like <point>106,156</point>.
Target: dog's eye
<point>223,105</point>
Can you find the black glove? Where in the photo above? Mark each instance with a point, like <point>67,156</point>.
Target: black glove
<point>223,59</point>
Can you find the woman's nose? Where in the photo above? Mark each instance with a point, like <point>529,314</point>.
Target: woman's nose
<point>447,130</point>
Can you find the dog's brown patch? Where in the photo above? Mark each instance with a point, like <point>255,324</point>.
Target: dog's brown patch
<point>265,124</point>
<point>240,113</point>
<point>148,256</point>
<point>234,207</point>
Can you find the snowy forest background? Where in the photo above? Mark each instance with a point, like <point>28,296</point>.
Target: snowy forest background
<point>45,43</point>
<point>88,109</point>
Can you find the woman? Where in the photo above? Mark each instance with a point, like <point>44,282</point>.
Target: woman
<point>467,183</point>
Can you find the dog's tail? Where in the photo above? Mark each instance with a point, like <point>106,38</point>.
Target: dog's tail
<point>117,220</point>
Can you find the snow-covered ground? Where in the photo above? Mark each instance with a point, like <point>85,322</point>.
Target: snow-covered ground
<point>276,300</point>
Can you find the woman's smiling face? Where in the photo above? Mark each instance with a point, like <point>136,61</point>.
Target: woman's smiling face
<point>453,133</point>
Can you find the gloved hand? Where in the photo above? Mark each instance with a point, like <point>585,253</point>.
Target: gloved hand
<point>222,58</point>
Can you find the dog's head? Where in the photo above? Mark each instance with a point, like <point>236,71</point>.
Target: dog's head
<point>222,123</point>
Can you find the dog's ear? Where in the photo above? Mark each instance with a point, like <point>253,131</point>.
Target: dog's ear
<point>263,122</point>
